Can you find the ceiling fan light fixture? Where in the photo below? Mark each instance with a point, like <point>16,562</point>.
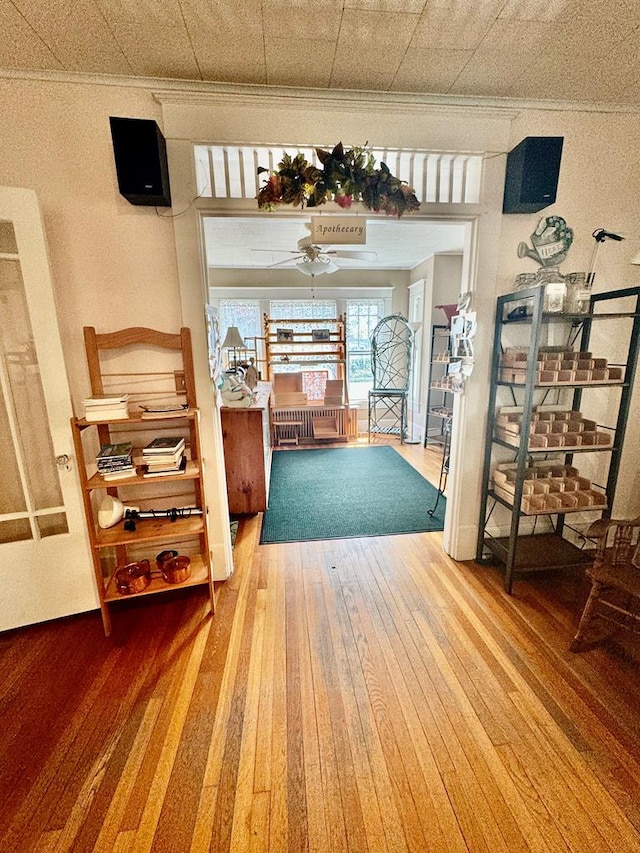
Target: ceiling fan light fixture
<point>316,266</point>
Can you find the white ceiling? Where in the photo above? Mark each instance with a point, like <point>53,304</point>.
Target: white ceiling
<point>261,242</point>
<point>577,50</point>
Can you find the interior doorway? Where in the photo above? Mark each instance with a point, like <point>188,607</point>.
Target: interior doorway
<point>411,267</point>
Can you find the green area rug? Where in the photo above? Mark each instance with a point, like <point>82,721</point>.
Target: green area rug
<point>339,493</point>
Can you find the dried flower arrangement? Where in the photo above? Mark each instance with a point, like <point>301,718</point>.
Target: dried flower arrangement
<point>346,176</point>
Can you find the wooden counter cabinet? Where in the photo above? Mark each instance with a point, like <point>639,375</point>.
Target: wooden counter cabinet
<point>247,454</point>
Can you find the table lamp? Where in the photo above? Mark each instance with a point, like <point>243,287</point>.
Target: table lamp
<point>233,340</point>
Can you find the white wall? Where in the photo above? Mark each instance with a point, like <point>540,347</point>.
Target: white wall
<point>115,265</point>
<point>598,188</point>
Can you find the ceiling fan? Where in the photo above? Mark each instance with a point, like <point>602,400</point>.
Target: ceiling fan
<point>315,260</point>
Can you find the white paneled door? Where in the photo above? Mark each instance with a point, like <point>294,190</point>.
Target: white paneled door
<point>45,565</point>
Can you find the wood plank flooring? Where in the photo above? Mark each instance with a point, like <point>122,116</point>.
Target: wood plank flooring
<point>358,695</point>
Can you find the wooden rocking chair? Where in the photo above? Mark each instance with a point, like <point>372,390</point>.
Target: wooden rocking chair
<point>615,579</point>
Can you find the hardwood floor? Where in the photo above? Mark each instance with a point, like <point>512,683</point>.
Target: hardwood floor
<point>357,695</point>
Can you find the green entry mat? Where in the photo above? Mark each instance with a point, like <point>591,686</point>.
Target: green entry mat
<point>341,493</point>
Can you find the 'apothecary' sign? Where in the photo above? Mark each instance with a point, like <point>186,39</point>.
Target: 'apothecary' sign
<point>339,229</point>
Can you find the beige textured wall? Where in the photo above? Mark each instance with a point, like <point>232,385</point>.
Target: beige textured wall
<point>113,264</point>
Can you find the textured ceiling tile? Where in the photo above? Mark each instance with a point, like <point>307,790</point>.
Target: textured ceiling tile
<point>370,81</point>
<point>535,10</point>
<point>43,15</point>
<point>433,71</point>
<point>453,29</point>
<point>167,52</point>
<point>614,10</point>
<point>83,41</point>
<point>588,36</point>
<point>20,46</point>
<point>288,19</point>
<point>146,12</point>
<point>565,78</point>
<point>513,39</point>
<point>415,7</point>
<point>288,66</point>
<point>373,41</point>
<point>488,71</point>
<point>230,66</point>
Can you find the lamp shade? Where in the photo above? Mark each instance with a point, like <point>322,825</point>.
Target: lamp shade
<point>233,338</point>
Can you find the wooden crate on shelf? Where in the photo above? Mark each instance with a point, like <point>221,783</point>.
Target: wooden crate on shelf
<point>325,428</point>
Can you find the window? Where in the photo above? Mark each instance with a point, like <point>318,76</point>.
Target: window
<point>243,313</point>
<point>362,316</point>
<point>302,309</point>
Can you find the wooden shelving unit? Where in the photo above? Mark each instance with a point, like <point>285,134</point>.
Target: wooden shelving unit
<point>302,350</point>
<point>116,546</point>
<point>300,421</point>
<point>540,479</point>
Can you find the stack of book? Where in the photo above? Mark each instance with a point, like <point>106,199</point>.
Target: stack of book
<point>106,407</point>
<point>164,455</point>
<point>115,461</point>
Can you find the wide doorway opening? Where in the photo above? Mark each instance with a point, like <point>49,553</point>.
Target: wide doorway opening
<point>409,267</point>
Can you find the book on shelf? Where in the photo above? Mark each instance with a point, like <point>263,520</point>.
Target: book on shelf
<point>179,469</point>
<point>107,400</point>
<point>152,415</point>
<point>159,461</point>
<point>164,444</point>
<point>97,413</point>
<point>103,407</point>
<point>118,450</point>
<point>114,458</point>
<point>119,473</point>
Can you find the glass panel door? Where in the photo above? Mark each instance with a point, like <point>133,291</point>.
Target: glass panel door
<point>31,481</point>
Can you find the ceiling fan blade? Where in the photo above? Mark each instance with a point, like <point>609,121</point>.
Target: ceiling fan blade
<point>287,251</point>
<point>285,262</point>
<point>361,256</point>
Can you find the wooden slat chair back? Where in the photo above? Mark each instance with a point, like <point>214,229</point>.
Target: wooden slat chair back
<point>162,381</point>
<point>615,580</point>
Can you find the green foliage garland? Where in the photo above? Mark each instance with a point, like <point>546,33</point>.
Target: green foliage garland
<point>346,176</point>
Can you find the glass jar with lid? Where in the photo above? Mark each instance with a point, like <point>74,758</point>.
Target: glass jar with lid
<point>523,281</point>
<point>554,289</point>
<point>578,296</point>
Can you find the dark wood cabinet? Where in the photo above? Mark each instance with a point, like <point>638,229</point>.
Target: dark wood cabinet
<point>247,454</point>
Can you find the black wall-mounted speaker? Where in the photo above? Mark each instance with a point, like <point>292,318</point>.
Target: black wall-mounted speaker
<point>531,179</point>
<point>140,153</point>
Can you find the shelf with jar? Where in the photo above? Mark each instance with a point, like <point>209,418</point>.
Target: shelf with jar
<point>553,398</point>
<point>563,294</point>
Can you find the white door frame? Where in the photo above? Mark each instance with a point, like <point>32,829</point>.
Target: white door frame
<point>479,267</point>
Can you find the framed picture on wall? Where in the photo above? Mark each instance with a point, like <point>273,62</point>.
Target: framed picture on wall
<point>284,336</point>
<point>320,335</point>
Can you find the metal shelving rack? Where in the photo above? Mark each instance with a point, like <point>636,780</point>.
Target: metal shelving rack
<point>439,399</point>
<point>543,551</point>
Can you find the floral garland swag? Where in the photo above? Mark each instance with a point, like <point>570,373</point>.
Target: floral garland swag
<point>345,177</point>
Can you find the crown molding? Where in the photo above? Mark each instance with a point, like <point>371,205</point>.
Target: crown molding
<point>211,92</point>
